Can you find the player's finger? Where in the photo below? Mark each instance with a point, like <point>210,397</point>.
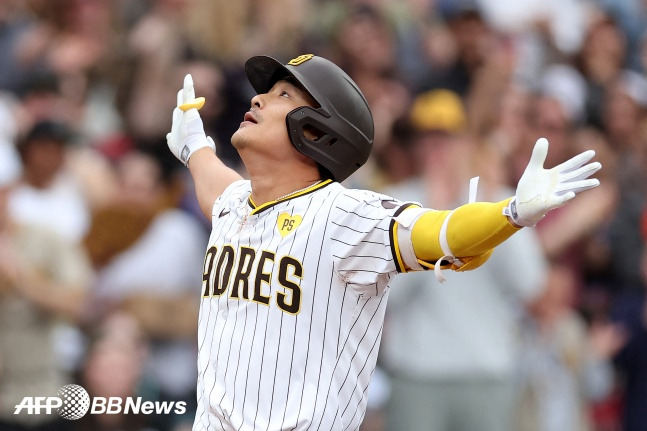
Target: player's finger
<point>575,162</point>
<point>539,153</point>
<point>577,186</point>
<point>188,90</point>
<point>581,172</point>
<point>170,142</point>
<point>559,200</point>
<point>180,97</point>
<point>177,114</point>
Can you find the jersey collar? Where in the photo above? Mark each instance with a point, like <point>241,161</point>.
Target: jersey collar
<point>257,209</point>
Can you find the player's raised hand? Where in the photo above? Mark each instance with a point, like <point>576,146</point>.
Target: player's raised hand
<point>541,190</point>
<point>187,131</point>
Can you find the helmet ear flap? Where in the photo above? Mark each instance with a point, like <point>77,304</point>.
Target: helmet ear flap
<point>312,136</point>
<point>306,124</point>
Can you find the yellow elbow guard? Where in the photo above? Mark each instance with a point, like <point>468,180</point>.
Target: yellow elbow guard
<point>421,226</point>
<point>460,240</point>
<point>470,230</point>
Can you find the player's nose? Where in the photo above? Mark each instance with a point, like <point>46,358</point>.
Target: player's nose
<point>258,101</point>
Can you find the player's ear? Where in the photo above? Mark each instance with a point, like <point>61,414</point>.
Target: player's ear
<point>311,133</point>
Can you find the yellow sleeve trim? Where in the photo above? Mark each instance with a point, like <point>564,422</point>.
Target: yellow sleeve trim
<point>399,264</point>
<point>393,239</point>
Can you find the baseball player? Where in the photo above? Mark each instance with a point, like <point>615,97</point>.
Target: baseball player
<point>297,270</point>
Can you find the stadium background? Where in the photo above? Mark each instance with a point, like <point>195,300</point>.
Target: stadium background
<point>86,93</point>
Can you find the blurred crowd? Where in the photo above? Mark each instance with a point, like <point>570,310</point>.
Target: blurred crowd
<point>102,241</point>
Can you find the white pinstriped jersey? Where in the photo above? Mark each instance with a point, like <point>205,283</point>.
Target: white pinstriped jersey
<point>294,293</point>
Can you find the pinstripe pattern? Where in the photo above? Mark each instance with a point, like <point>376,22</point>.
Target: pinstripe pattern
<point>291,319</point>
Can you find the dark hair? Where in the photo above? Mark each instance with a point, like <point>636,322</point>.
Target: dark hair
<point>46,130</point>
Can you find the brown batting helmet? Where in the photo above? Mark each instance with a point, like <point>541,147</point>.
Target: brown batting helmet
<point>343,119</point>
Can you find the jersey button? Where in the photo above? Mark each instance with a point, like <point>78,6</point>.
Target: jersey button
<point>225,314</point>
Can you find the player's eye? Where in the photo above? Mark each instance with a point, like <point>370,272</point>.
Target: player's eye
<point>284,94</point>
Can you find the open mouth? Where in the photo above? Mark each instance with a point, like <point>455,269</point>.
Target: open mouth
<point>250,117</point>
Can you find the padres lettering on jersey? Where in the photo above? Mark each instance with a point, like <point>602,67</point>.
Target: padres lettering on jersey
<point>251,271</point>
<point>293,300</point>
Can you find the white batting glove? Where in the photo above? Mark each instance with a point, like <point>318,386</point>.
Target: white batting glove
<point>187,131</point>
<point>541,190</point>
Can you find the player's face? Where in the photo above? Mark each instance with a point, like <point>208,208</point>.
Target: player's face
<point>264,124</point>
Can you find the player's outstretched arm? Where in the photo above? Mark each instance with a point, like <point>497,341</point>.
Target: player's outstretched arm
<point>188,142</point>
<point>466,236</point>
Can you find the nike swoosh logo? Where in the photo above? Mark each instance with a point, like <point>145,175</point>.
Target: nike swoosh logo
<point>224,213</point>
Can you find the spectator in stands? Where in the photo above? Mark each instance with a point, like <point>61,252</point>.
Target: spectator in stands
<point>44,282</point>
<point>114,367</point>
<point>151,269</point>
<point>630,310</point>
<point>47,194</point>
<point>564,366</point>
